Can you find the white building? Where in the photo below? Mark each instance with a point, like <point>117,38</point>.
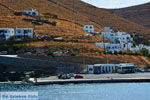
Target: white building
<point>126,68</point>
<point>25,32</point>
<point>108,29</point>
<point>32,12</point>
<point>6,33</point>
<point>102,68</point>
<point>111,68</point>
<point>116,37</point>
<point>109,47</point>
<point>88,28</point>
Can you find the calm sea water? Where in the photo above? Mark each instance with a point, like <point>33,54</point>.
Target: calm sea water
<point>119,91</point>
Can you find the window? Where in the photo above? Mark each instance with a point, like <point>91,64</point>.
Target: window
<point>90,69</point>
<point>91,27</point>
<point>19,31</point>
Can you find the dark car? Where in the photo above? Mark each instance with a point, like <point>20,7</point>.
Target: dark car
<point>63,76</point>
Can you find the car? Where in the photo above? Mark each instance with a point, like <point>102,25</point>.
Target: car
<point>71,74</point>
<point>78,76</point>
<point>141,70</point>
<point>63,76</point>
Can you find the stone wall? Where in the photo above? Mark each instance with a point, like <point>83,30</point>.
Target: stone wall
<point>28,64</point>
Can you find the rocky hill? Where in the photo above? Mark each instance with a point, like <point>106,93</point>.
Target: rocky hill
<point>139,14</point>
<point>103,17</point>
<point>70,16</point>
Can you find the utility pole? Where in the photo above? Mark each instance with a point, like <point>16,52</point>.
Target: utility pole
<point>105,51</point>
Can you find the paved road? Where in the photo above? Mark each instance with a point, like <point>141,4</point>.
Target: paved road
<point>133,75</point>
<point>106,76</point>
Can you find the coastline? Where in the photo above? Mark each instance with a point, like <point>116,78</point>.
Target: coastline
<point>91,78</point>
<point>80,81</point>
<point>100,78</point>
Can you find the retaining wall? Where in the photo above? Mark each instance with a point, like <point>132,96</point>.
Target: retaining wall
<point>28,64</point>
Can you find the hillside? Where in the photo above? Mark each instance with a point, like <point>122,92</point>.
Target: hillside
<point>71,16</point>
<point>104,18</point>
<point>139,14</point>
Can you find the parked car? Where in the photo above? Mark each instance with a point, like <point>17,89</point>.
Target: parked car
<point>63,76</point>
<point>78,76</point>
<point>141,70</point>
<point>71,74</point>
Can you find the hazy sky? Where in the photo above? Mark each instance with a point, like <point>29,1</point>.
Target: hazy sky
<point>115,3</point>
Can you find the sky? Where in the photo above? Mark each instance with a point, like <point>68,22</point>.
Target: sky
<point>115,3</point>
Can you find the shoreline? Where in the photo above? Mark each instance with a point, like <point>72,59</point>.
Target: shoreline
<point>81,81</point>
<point>92,78</point>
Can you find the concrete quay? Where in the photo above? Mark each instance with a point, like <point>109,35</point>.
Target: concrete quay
<point>101,78</point>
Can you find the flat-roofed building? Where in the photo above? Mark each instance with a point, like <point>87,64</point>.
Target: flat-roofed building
<point>25,32</point>
<point>6,33</point>
<point>88,28</point>
<point>126,68</point>
<point>102,68</point>
<point>32,12</point>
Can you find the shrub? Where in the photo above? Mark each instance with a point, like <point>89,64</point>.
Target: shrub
<point>144,52</point>
<point>109,52</point>
<point>50,53</point>
<point>115,52</point>
<point>148,55</point>
<point>120,52</point>
<point>73,54</point>
<point>12,47</point>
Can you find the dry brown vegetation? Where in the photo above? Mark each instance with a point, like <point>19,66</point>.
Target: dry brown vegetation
<point>72,15</point>
<point>104,18</point>
<point>79,47</point>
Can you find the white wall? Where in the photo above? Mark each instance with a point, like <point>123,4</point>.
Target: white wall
<point>88,28</point>
<point>9,32</point>
<point>31,12</point>
<point>110,47</point>
<point>21,32</point>
<point>90,69</point>
<point>116,36</point>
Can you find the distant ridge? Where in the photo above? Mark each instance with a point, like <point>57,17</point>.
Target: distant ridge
<point>139,14</point>
<point>104,18</point>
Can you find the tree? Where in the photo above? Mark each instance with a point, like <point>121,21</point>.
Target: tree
<point>115,52</point>
<point>73,54</point>
<point>148,55</point>
<point>144,51</point>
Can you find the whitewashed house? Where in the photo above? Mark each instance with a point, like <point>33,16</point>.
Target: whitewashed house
<point>121,37</point>
<point>25,32</point>
<point>89,28</point>
<point>32,12</point>
<point>116,37</point>
<point>102,68</point>
<point>126,46</point>
<point>108,32</point>
<point>109,47</point>
<point>6,33</point>
<point>115,46</point>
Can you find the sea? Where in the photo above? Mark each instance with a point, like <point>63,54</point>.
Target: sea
<point>104,91</point>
